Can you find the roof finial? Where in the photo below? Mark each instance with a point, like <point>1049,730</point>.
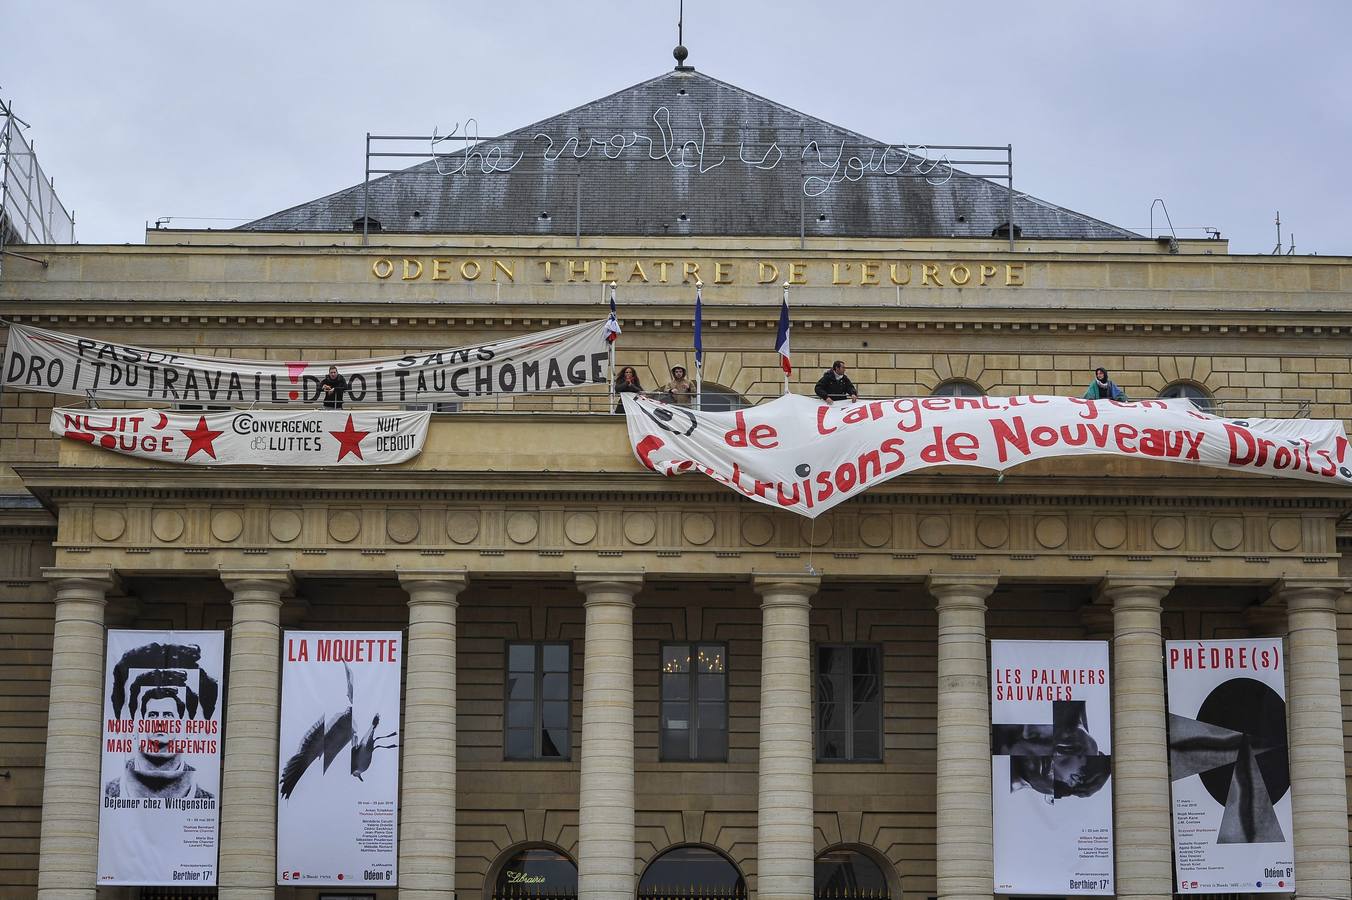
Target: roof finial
<point>680,52</point>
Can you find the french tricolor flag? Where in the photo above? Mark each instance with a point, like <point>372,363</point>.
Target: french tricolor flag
<point>613,323</point>
<point>782,337</point>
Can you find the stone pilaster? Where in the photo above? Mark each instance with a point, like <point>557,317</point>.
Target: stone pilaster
<point>1315,715</point>
<point>248,858</point>
<point>605,832</point>
<point>1142,826</point>
<point>784,844</point>
<point>964,865</point>
<point>427,804</point>
<point>68,860</point>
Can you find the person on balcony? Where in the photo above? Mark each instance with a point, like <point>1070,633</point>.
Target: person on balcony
<point>678,390</point>
<point>334,387</point>
<point>836,385</point>
<point>626,383</point>
<point>1103,388</point>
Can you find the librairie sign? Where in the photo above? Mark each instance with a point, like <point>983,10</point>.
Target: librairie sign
<point>56,363</point>
<point>805,455</point>
<point>330,437</point>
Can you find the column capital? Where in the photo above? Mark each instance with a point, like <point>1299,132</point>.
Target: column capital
<point>785,590</point>
<point>961,590</point>
<point>95,582</point>
<point>1301,594</point>
<point>433,585</point>
<point>1133,590</point>
<point>609,588</point>
<point>260,585</point>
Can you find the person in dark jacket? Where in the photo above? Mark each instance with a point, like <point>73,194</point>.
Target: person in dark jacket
<point>836,385</point>
<point>1103,388</point>
<point>334,387</point>
<point>626,383</point>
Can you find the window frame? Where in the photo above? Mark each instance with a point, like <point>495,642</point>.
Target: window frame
<point>537,701</point>
<point>850,757</point>
<point>955,383</point>
<point>692,737</point>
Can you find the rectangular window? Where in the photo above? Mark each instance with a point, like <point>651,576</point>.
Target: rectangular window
<point>538,721</point>
<point>849,703</point>
<point>694,702</point>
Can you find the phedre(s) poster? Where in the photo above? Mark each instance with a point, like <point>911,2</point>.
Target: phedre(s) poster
<point>1228,767</point>
<point>1051,767</point>
<point>338,761</point>
<point>161,768</point>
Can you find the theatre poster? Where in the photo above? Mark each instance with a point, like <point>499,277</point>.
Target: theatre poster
<point>1228,767</point>
<point>1051,767</point>
<point>338,766</point>
<point>160,783</point>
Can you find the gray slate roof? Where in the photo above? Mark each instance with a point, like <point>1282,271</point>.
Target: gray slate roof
<point>642,174</point>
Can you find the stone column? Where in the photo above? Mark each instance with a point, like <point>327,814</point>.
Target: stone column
<point>248,858</point>
<point>427,804</point>
<point>69,848</point>
<point>1315,716</point>
<point>784,844</point>
<point>964,863</point>
<point>605,828</point>
<point>1142,826</point>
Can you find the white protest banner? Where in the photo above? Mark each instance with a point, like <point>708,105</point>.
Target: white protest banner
<point>161,769</point>
<point>806,455</point>
<point>338,770</point>
<point>330,437</point>
<point>1228,767</point>
<point>56,363</point>
<point>1051,767</point>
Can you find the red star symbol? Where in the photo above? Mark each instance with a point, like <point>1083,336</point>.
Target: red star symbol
<point>201,438</point>
<point>349,440</point>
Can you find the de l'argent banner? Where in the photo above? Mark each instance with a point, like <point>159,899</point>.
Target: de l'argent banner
<point>161,768</point>
<point>338,767</point>
<point>1051,767</point>
<point>1228,767</point>
<point>312,437</point>
<point>802,454</point>
<point>56,363</point>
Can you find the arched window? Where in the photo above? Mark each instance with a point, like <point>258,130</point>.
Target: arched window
<point>716,398</point>
<point>958,387</point>
<point>691,872</point>
<point>1190,390</point>
<point>847,872</point>
<point>536,872</point>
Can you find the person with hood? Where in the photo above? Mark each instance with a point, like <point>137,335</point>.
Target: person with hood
<point>1103,388</point>
<point>678,390</point>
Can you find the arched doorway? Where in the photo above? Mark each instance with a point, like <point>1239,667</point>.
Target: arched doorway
<point>691,871</point>
<point>539,871</point>
<point>841,872</point>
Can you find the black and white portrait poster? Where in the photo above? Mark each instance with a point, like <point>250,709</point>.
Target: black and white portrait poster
<point>1051,767</point>
<point>1228,767</point>
<point>338,765</point>
<point>159,812</point>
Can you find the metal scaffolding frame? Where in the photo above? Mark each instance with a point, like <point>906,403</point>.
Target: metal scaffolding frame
<point>30,211</point>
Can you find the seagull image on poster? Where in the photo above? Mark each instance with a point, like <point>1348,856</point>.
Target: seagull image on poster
<point>327,738</point>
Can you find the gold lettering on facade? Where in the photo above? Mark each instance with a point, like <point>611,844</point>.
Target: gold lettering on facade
<point>382,268</point>
<point>582,271</point>
<point>549,269</point>
<point>662,270</point>
<point>468,273</point>
<point>986,271</point>
<point>835,273</point>
<point>766,273</point>
<point>959,274</point>
<point>608,269</point>
<point>638,273</point>
<point>500,266</point>
<point>690,270</point>
<point>412,273</point>
<point>797,273</point>
<point>868,271</point>
<point>439,270</point>
<point>722,273</point>
<point>1014,274</point>
<point>928,271</point>
<point>894,268</point>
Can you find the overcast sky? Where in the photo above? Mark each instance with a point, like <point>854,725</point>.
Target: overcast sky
<point>1229,110</point>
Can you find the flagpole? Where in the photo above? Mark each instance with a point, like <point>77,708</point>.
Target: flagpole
<point>610,353</point>
<point>786,374</point>
<point>699,345</point>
